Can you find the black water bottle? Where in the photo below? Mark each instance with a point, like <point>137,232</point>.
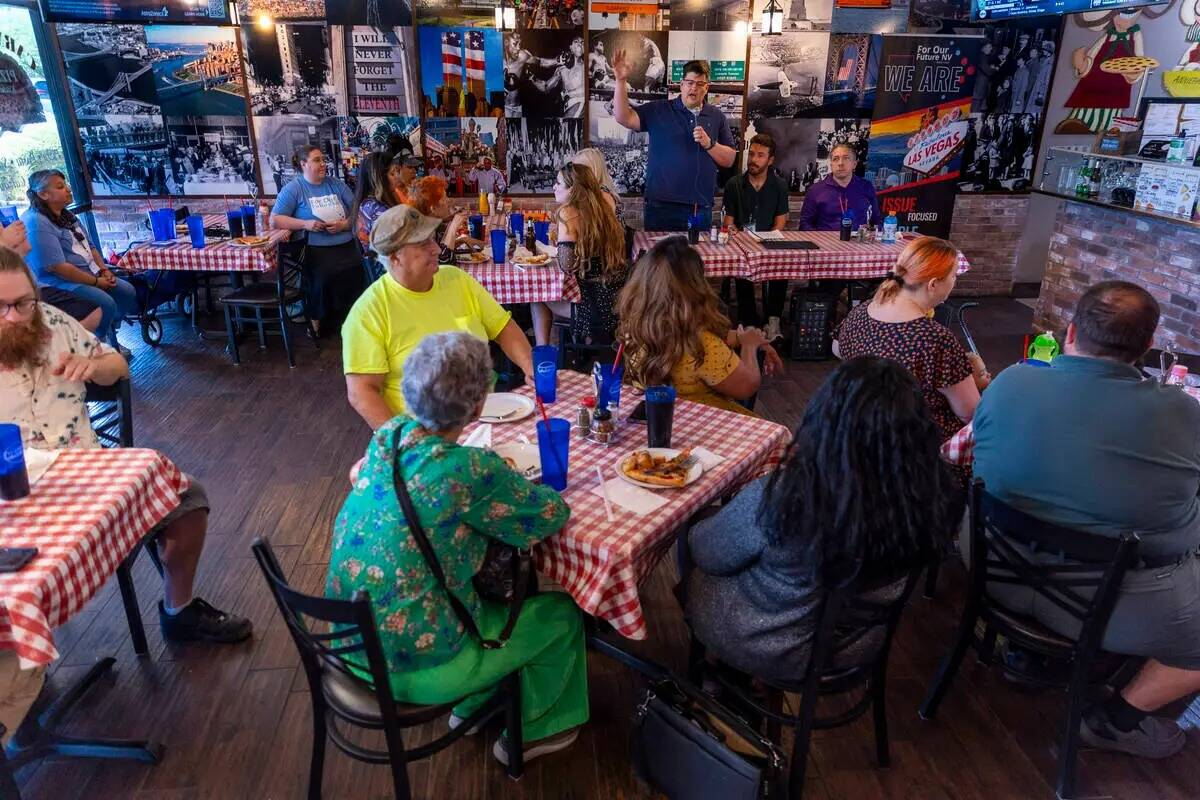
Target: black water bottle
<point>847,226</point>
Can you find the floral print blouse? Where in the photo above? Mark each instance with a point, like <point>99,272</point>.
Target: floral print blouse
<point>51,411</point>
<point>464,497</point>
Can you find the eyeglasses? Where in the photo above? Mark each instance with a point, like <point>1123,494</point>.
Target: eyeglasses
<point>694,84</point>
<point>24,307</point>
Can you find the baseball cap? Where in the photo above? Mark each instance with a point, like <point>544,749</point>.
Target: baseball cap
<point>401,225</point>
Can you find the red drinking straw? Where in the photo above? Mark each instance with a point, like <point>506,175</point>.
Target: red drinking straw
<point>617,360</point>
<point>542,409</point>
<point>1025,348</point>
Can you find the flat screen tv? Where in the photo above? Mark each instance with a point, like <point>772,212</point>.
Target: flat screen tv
<point>208,12</point>
<point>988,10</point>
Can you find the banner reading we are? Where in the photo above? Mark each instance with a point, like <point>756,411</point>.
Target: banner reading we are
<point>920,124</point>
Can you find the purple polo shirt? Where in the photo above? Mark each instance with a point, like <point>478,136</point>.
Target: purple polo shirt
<point>825,201</point>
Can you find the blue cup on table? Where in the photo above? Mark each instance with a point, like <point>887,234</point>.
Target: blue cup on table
<point>660,414</point>
<point>195,226</point>
<point>14,479</point>
<point>499,242</point>
<point>609,381</point>
<point>545,372</point>
<point>162,224</point>
<point>541,231</point>
<point>475,226</point>
<point>695,228</point>
<point>516,224</point>
<point>250,220</point>
<point>8,215</point>
<point>234,220</point>
<point>554,444</point>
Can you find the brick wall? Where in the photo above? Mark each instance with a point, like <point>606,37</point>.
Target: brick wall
<point>1092,244</point>
<point>986,227</point>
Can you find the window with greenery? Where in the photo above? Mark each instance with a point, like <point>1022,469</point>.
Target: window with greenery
<point>30,135</point>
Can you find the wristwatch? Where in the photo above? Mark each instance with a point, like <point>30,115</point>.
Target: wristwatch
<point>711,144</point>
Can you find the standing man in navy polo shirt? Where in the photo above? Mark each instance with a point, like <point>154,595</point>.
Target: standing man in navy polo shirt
<point>827,200</point>
<point>689,141</point>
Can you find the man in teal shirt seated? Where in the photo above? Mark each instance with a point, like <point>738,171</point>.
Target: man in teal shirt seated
<point>1090,445</point>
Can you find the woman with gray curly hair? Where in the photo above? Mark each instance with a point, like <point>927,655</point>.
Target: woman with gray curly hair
<point>416,297</point>
<point>464,498</point>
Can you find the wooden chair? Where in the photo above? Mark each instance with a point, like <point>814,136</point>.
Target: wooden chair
<point>846,617</point>
<point>336,662</point>
<point>1001,538</point>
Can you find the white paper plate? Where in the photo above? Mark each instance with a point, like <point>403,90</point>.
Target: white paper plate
<point>527,459</point>
<point>663,452</point>
<point>506,407</point>
<point>522,263</point>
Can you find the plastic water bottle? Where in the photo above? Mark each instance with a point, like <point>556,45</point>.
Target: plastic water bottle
<point>890,224</point>
<point>847,226</point>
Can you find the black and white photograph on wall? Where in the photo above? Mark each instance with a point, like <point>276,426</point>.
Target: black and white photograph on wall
<point>196,70</point>
<point>787,74</point>
<point>627,15</point>
<point>382,81</point>
<point>125,155</point>
<point>289,70</point>
<point>358,136</point>
<point>933,15</point>
<point>1015,67</point>
<point>548,14</point>
<point>795,145</point>
<point>543,74</point>
<point>709,15</point>
<point>998,153</point>
<point>852,131</point>
<point>646,51</point>
<point>211,156</point>
<point>536,149</point>
<point>725,173</point>
<point>109,70</point>
<point>372,13</point>
<point>277,139</point>
<point>624,152</point>
<point>280,10</point>
<point>854,16</point>
<point>798,15</point>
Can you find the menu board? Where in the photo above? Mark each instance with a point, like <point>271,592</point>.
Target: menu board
<point>1167,190</point>
<point>149,11</point>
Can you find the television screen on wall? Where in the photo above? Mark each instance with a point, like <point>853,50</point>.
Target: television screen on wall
<point>1007,9</point>
<point>150,11</point>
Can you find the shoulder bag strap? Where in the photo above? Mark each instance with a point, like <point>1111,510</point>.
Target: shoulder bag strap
<point>423,544</point>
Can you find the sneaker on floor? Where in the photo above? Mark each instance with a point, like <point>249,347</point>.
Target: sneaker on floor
<point>542,747</point>
<point>773,333</point>
<point>455,722</point>
<point>1155,737</point>
<point>200,622</point>
<point>126,352</point>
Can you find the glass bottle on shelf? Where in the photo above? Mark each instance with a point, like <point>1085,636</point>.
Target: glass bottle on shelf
<point>1083,181</point>
<point>1094,187</point>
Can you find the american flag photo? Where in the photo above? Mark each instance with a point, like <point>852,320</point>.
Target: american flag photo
<point>462,72</point>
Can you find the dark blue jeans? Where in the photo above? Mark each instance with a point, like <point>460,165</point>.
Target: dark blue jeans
<point>660,216</point>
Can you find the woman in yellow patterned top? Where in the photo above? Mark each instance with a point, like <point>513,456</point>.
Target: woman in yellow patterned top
<point>675,332</point>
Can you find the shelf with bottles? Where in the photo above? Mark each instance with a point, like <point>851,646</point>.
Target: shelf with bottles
<point>1076,173</point>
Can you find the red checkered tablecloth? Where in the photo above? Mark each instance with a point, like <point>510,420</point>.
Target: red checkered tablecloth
<point>720,260</point>
<point>834,259</point>
<point>84,516</point>
<point>511,284</point>
<point>222,256</point>
<point>601,563</point>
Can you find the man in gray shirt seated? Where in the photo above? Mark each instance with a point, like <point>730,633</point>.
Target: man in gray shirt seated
<point>1089,444</point>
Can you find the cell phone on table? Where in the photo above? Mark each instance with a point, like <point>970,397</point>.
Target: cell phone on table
<point>13,559</point>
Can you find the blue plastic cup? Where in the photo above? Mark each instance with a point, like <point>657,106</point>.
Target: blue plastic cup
<point>8,215</point>
<point>610,386</point>
<point>475,226</point>
<point>195,226</point>
<point>541,231</point>
<point>545,372</point>
<point>499,242</point>
<point>14,479</point>
<point>162,224</point>
<point>516,224</point>
<point>234,220</point>
<point>660,413</point>
<point>250,220</point>
<point>554,445</point>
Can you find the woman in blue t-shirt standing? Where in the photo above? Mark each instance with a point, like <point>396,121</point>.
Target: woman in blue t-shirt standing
<point>321,205</point>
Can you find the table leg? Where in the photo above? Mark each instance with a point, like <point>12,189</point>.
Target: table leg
<point>38,735</point>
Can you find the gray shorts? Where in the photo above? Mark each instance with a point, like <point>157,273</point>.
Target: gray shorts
<point>194,498</point>
<point>1157,613</point>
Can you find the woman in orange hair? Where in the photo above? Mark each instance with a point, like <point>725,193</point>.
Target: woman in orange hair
<point>897,324</point>
<point>428,195</point>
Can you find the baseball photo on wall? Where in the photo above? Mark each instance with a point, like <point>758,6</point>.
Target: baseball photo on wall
<point>109,70</point>
<point>624,153</point>
<point>647,80</point>
<point>289,70</point>
<point>536,149</point>
<point>125,155</point>
<point>211,156</point>
<point>543,74</point>
<point>280,10</point>
<point>196,70</point>
<point>787,74</point>
<point>382,78</point>
<point>709,15</point>
<point>462,72</point>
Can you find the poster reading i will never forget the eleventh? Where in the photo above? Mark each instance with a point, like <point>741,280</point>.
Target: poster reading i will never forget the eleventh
<point>920,125</point>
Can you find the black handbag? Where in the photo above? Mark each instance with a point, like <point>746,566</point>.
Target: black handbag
<point>688,746</point>
<point>504,576</point>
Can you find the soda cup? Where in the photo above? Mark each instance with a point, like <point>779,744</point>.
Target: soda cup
<point>14,478</point>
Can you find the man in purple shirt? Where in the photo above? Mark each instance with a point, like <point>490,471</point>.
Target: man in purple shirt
<point>827,200</point>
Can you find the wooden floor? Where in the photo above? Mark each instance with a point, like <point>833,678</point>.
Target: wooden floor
<point>273,445</point>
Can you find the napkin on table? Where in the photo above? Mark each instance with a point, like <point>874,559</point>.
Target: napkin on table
<point>631,498</point>
<point>480,437</point>
<point>707,458</point>
<point>38,461</point>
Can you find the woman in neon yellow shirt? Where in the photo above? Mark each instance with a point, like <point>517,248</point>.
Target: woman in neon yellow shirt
<point>414,298</point>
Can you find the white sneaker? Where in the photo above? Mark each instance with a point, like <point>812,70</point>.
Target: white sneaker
<point>542,747</point>
<point>455,722</point>
<point>773,333</point>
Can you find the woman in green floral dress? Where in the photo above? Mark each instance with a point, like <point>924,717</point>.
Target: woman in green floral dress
<point>464,497</point>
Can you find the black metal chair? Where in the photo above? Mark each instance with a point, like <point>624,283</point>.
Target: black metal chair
<point>110,411</point>
<point>268,296</point>
<point>846,617</point>
<point>334,662</point>
<point>1001,542</point>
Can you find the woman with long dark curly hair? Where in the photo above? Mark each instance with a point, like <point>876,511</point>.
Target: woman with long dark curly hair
<point>861,498</point>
